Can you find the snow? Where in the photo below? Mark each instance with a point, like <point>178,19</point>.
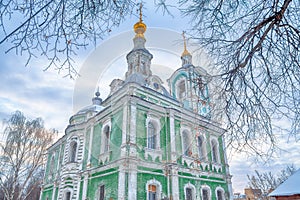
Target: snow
<point>289,187</point>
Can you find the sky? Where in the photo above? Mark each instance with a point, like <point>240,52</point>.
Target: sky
<point>49,95</point>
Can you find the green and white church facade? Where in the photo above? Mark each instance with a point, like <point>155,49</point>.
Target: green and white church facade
<point>142,142</point>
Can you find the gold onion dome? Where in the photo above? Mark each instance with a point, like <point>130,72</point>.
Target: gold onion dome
<point>140,28</point>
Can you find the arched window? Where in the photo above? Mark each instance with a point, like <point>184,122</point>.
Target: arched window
<point>152,192</point>
<point>186,138</point>
<point>215,150</point>
<point>106,137</point>
<point>154,189</point>
<point>220,194</point>
<point>201,148</point>
<point>151,140</point>
<point>189,192</point>
<point>73,151</point>
<point>181,89</point>
<point>205,193</point>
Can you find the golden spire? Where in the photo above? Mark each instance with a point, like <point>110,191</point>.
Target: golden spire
<point>185,51</point>
<point>140,28</point>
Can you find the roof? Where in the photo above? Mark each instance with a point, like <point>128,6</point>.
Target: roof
<point>289,187</point>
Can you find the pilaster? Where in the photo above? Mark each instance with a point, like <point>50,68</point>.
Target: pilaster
<point>132,134</point>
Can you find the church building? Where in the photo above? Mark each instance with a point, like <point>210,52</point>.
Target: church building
<point>143,142</point>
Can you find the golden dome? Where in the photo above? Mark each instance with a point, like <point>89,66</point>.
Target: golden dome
<point>140,28</point>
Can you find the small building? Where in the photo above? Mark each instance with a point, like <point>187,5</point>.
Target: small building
<point>289,189</point>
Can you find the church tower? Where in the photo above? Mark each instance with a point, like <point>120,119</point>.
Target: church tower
<point>142,142</point>
<point>189,85</point>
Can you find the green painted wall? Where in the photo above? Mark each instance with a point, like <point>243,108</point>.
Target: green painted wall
<point>116,135</point>
<point>111,185</point>
<point>47,192</point>
<point>96,143</point>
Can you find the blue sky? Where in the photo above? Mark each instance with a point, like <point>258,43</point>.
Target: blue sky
<point>55,99</point>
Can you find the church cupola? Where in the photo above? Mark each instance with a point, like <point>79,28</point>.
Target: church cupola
<point>139,58</point>
<point>188,85</point>
<point>186,57</point>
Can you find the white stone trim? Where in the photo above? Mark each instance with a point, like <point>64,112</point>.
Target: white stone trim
<point>173,139</point>
<point>154,153</point>
<point>90,145</point>
<point>223,192</point>
<point>104,157</point>
<point>121,185</point>
<point>189,185</point>
<point>132,187</point>
<point>84,187</point>
<point>158,185</point>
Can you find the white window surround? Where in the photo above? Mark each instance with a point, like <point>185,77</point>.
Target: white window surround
<point>156,123</point>
<point>190,138</point>
<point>177,89</point>
<point>205,187</point>
<point>154,153</point>
<point>158,186</point>
<point>106,123</point>
<point>189,185</point>
<point>214,144</point>
<point>219,188</point>
<point>70,148</point>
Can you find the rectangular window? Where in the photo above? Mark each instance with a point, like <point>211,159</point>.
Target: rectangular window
<point>101,192</point>
<point>68,196</point>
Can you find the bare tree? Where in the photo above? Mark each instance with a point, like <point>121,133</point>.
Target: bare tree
<point>22,156</point>
<point>255,47</point>
<point>59,29</point>
<point>254,44</point>
<point>267,181</point>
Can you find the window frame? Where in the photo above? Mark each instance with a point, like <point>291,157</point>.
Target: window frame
<point>105,141</point>
<point>187,149</point>
<point>158,188</point>
<point>156,125</point>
